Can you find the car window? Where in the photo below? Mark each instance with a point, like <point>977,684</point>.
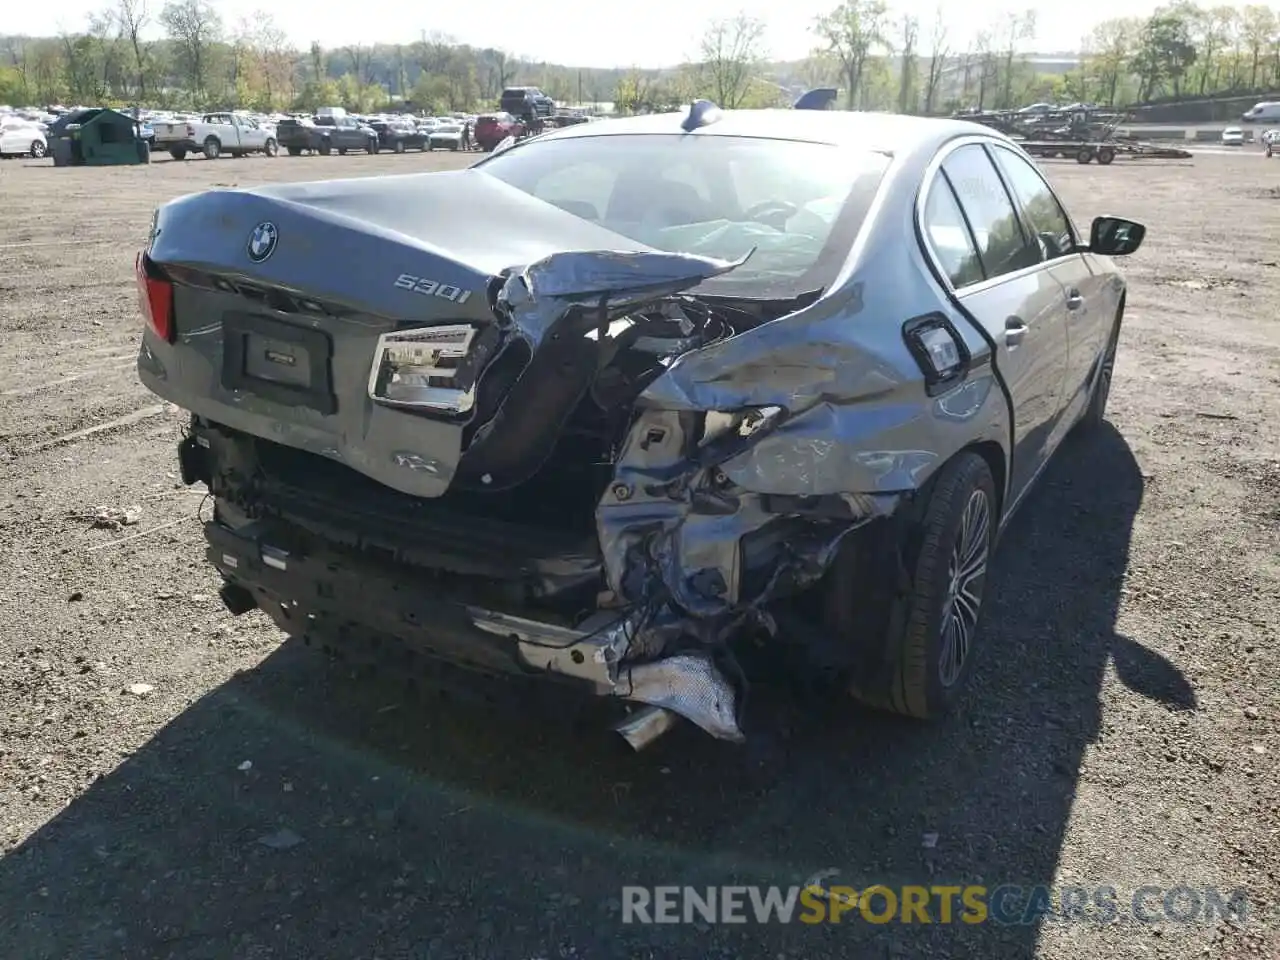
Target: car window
<point>680,194</point>
<point>949,237</point>
<point>686,174</point>
<point>583,189</point>
<point>1044,214</point>
<point>997,229</point>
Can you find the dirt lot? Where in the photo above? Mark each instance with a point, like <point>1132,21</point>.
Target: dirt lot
<point>1124,729</point>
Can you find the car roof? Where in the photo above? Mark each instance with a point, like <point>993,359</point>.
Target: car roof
<point>882,132</point>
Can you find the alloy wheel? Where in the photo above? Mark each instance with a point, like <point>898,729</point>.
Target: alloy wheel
<point>966,574</point>
<point>1103,389</point>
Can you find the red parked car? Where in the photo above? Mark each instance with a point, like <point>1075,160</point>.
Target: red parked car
<point>492,128</point>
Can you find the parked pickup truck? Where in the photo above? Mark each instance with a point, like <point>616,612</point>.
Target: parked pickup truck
<point>325,135</point>
<point>213,135</point>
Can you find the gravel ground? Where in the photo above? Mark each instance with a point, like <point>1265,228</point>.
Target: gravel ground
<point>178,783</point>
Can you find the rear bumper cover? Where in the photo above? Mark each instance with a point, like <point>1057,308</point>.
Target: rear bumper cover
<point>330,592</point>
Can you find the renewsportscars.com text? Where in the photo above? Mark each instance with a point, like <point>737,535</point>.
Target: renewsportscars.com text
<point>1007,904</point>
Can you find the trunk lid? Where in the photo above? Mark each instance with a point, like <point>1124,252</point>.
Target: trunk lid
<point>291,301</point>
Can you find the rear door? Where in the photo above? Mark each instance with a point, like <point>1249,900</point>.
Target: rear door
<point>977,238</point>
<point>1090,302</point>
<point>352,135</point>
<point>252,136</point>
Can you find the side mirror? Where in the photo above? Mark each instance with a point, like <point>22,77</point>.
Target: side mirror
<point>1115,236</point>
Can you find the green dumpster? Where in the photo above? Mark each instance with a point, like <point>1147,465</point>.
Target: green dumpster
<point>97,137</point>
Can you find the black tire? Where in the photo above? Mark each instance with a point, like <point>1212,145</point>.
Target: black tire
<point>1085,155</point>
<point>399,147</point>
<point>178,153</point>
<point>294,151</point>
<point>271,148</point>
<point>212,148</point>
<point>916,680</point>
<point>38,149</point>
<point>1095,415</point>
<point>1106,155</point>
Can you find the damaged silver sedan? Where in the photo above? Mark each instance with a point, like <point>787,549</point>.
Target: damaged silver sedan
<point>620,402</point>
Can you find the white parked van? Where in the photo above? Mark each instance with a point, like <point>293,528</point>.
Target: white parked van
<point>1266,112</point>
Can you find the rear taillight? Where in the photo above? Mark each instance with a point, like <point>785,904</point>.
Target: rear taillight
<point>155,298</point>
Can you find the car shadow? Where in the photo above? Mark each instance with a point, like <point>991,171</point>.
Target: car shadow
<point>298,812</point>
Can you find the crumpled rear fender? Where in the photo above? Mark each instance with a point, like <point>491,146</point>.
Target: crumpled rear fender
<point>724,526</point>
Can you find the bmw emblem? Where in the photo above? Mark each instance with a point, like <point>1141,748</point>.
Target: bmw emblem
<point>262,242</point>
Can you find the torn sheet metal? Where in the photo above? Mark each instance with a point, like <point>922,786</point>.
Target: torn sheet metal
<point>624,277</point>
<point>691,685</point>
<point>538,298</point>
<point>819,429</point>
<point>679,530</point>
<point>546,311</point>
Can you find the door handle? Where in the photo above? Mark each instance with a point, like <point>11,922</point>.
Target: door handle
<point>1074,300</point>
<point>1014,331</point>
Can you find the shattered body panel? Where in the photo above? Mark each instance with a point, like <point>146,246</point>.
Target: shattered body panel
<point>844,439</point>
<point>727,451</point>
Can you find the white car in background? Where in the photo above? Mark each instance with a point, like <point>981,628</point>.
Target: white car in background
<point>1233,137</point>
<point>22,138</point>
<point>446,136</point>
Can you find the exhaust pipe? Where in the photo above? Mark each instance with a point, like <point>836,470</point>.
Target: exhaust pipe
<point>645,725</point>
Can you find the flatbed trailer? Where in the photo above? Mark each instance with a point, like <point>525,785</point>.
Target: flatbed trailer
<point>1103,151</point>
<point>1085,134</point>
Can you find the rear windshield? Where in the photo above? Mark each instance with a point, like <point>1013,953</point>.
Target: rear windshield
<point>799,205</point>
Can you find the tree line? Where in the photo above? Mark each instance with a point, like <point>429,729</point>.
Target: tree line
<point>886,60</point>
<point>201,61</point>
<point>879,58</point>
